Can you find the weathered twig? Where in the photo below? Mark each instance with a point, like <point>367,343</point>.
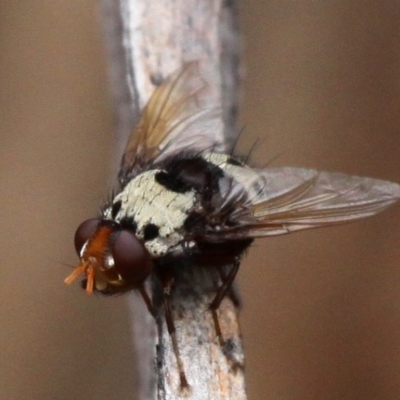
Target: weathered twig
<point>148,40</point>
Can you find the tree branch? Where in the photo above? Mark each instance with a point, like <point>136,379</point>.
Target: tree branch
<point>147,40</point>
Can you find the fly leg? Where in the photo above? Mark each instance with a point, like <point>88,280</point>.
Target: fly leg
<point>167,283</point>
<point>226,285</point>
<point>221,293</point>
<point>147,300</point>
<point>233,294</point>
<point>231,345</point>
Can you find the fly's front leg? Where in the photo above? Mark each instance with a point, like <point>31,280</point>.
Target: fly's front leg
<point>147,300</point>
<point>167,281</point>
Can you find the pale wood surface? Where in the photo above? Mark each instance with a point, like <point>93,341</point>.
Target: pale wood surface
<point>158,37</point>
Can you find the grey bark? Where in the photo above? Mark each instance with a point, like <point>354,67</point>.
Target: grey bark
<point>149,39</point>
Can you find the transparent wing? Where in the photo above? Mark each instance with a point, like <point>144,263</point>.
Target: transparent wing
<point>174,119</point>
<point>276,201</point>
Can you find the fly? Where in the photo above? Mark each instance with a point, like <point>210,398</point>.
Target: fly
<point>183,198</point>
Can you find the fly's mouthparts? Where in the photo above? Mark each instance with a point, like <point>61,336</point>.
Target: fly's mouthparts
<point>87,269</point>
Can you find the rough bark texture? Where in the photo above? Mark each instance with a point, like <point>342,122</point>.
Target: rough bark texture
<point>148,40</point>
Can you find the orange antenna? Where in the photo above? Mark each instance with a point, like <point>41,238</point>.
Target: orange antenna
<point>84,268</point>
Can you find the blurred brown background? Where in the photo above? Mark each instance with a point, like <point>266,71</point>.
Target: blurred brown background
<point>321,316</point>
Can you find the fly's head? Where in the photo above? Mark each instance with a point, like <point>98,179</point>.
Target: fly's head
<point>111,256</point>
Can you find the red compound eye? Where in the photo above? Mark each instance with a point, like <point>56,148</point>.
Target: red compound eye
<point>84,232</point>
<point>131,259</point>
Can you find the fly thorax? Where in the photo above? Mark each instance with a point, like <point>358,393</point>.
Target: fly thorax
<point>156,213</point>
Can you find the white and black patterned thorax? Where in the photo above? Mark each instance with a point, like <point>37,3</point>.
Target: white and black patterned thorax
<point>158,204</point>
